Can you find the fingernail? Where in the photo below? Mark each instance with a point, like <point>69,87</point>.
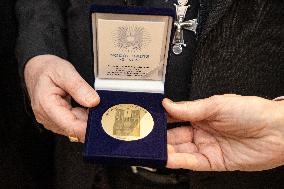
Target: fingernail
<point>166,100</point>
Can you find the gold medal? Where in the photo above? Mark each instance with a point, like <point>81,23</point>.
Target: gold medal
<point>127,122</point>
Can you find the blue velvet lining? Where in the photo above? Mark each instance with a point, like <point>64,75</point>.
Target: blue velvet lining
<point>133,10</point>
<point>149,151</point>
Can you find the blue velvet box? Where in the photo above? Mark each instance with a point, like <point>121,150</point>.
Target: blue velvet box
<point>149,151</point>
<point>100,147</point>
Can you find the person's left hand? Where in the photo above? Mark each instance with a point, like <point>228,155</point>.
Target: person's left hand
<point>227,133</point>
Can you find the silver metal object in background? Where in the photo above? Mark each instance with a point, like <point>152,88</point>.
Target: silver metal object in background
<point>180,24</point>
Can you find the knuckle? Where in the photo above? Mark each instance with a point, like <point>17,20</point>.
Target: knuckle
<point>35,109</point>
<point>63,67</point>
<point>47,126</point>
<point>33,105</point>
<point>52,127</point>
<point>38,111</point>
<point>39,119</point>
<point>38,116</point>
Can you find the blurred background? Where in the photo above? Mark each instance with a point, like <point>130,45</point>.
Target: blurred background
<point>25,150</point>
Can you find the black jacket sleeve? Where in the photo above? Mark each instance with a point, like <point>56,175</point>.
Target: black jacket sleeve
<point>41,30</point>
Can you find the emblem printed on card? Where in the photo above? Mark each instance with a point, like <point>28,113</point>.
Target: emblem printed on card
<point>129,49</point>
<point>127,122</point>
<point>131,38</point>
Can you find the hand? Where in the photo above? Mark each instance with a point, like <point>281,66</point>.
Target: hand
<point>50,80</point>
<point>228,133</point>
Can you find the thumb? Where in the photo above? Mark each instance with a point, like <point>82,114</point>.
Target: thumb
<point>71,81</point>
<point>190,110</point>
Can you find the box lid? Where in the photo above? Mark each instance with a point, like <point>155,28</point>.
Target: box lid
<point>130,47</point>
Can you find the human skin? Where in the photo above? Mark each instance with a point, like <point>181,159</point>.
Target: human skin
<point>50,82</point>
<point>227,132</point>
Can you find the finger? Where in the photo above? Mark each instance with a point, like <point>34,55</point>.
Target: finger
<point>192,161</point>
<point>180,135</point>
<point>70,80</point>
<point>190,110</point>
<point>80,113</point>
<point>70,123</point>
<point>49,125</point>
<point>172,120</point>
<point>46,89</point>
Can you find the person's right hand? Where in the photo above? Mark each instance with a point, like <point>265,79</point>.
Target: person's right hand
<point>227,133</point>
<point>50,80</point>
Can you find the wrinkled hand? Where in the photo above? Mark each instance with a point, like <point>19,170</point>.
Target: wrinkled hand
<point>50,80</point>
<point>228,133</point>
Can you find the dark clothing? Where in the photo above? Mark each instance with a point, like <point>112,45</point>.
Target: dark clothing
<point>25,156</point>
<point>240,49</point>
<point>241,52</point>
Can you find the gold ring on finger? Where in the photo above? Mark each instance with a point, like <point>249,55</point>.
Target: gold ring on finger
<point>73,139</point>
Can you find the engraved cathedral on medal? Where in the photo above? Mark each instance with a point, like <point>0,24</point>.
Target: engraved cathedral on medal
<point>127,123</point>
